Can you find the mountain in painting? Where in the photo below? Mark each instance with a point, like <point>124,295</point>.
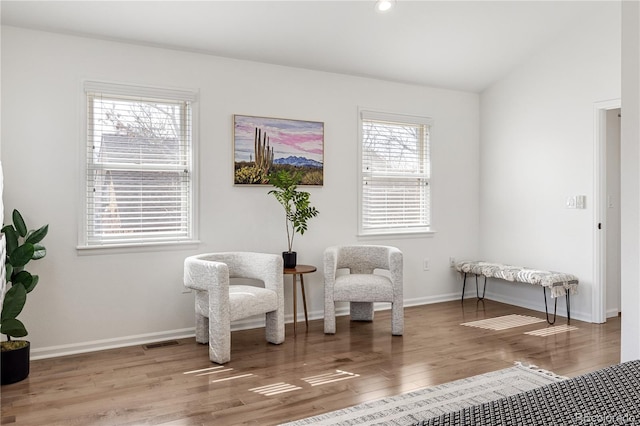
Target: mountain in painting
<point>294,160</point>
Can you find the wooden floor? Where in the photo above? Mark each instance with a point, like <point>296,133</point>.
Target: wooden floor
<point>138,385</point>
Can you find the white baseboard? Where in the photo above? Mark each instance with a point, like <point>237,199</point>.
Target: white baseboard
<point>418,301</point>
<point>535,306</point>
<point>612,313</point>
<point>119,342</point>
<point>140,339</point>
<point>258,322</point>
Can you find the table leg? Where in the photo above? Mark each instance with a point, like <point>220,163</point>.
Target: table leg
<point>295,297</point>
<point>304,301</point>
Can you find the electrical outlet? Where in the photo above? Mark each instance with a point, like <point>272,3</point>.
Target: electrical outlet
<point>425,264</point>
<point>452,262</point>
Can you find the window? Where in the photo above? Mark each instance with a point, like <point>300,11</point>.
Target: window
<point>395,173</point>
<point>139,166</point>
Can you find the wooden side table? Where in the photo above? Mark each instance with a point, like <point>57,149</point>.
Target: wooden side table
<point>299,270</point>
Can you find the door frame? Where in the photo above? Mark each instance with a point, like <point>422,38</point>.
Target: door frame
<point>599,299</point>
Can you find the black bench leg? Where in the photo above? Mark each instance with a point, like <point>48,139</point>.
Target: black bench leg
<point>464,283</point>
<point>555,306</point>
<point>484,289</point>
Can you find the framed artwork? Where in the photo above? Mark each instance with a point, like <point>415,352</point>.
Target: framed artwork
<point>262,145</point>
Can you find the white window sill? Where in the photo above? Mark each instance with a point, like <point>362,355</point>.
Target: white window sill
<point>136,247</point>
<point>378,235</point>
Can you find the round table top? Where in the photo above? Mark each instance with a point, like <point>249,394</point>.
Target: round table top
<point>300,269</point>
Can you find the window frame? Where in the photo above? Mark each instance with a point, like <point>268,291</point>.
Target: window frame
<point>417,231</point>
<point>143,93</point>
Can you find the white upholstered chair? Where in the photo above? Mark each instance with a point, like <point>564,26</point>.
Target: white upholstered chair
<point>218,303</point>
<point>375,275</point>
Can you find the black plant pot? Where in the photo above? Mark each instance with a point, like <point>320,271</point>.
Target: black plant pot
<point>15,365</point>
<point>290,258</point>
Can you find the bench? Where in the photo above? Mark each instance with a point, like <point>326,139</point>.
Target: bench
<point>559,284</point>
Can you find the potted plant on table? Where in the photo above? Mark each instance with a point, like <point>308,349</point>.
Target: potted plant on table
<point>297,208</point>
<point>22,246</point>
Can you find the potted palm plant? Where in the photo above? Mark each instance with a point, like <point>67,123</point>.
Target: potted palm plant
<point>22,246</point>
<point>298,210</point>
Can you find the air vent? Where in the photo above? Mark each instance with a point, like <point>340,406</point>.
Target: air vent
<point>160,344</point>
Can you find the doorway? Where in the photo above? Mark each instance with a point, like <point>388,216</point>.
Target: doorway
<point>606,291</point>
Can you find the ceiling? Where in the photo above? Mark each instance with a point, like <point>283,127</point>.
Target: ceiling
<point>464,45</point>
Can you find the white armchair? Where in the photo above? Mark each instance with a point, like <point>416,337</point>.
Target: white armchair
<point>361,286</point>
<point>218,303</point>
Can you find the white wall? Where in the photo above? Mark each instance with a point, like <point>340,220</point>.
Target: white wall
<point>537,148</point>
<point>630,181</point>
<point>91,301</point>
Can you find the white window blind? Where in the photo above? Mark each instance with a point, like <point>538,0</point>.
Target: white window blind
<point>395,174</point>
<point>139,186</point>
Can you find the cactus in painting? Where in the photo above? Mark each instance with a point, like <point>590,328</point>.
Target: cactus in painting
<point>263,152</point>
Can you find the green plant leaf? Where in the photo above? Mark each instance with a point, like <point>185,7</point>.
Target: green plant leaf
<point>14,328</point>
<point>11,237</point>
<point>22,245</point>
<point>36,236</point>
<point>18,222</point>
<point>22,277</point>
<point>21,255</point>
<point>34,282</point>
<point>14,301</point>
<point>8,270</point>
<point>295,203</point>
<point>39,251</point>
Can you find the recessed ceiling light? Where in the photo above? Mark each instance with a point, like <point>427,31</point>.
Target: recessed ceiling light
<point>384,5</point>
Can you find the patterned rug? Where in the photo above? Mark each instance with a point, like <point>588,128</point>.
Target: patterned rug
<point>434,401</point>
<point>609,396</point>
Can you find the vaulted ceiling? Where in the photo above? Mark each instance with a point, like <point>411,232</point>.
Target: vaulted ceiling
<point>464,45</point>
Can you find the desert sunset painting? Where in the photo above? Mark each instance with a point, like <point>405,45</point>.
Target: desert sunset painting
<point>264,145</point>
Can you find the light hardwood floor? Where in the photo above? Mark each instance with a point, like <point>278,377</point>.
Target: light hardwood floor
<point>135,385</point>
